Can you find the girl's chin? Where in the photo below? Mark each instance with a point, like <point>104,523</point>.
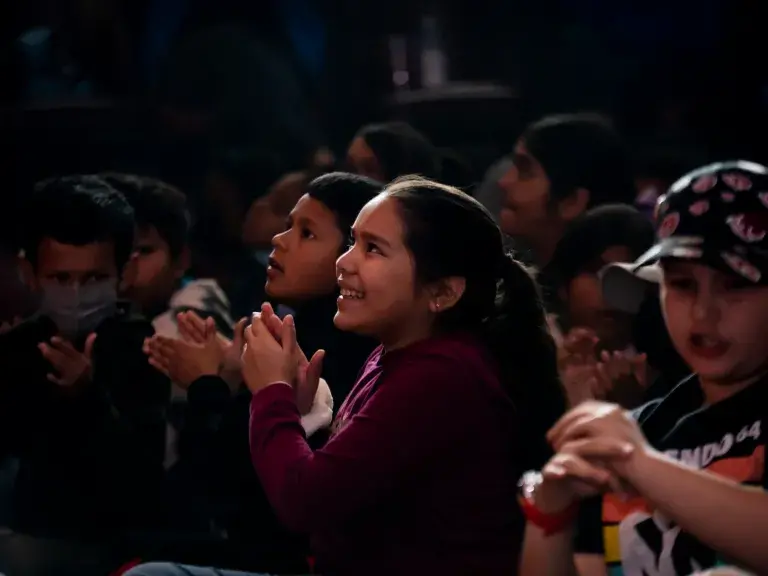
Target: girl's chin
<point>344,320</point>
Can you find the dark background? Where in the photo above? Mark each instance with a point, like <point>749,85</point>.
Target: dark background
<point>683,75</point>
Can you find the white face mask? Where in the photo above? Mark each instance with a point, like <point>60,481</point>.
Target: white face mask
<point>78,310</point>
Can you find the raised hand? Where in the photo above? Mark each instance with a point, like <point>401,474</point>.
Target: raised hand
<point>578,342</point>
<point>615,367</point>
<point>71,367</point>
<point>308,380</point>
<point>184,362</point>
<point>271,320</point>
<point>265,360</point>
<point>308,371</point>
<point>577,364</point>
<point>231,367</point>
<point>192,328</point>
<point>580,381</point>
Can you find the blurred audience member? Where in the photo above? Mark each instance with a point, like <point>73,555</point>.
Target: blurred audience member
<point>386,151</point>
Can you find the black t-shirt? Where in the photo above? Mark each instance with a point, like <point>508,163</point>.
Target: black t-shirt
<point>727,438</point>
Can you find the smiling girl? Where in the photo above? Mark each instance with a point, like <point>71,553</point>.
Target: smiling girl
<point>301,272</point>
<point>214,443</point>
<point>420,474</point>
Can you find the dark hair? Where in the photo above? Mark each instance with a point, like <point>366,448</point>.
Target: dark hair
<point>344,194</point>
<point>585,240</point>
<point>449,234</point>
<point>582,151</point>
<point>401,150</point>
<point>456,170</point>
<point>79,210</point>
<point>156,205</point>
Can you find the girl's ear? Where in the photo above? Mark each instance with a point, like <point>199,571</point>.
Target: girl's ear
<point>444,295</point>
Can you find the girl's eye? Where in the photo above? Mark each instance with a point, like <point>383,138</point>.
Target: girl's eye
<point>373,248</point>
<point>307,233</point>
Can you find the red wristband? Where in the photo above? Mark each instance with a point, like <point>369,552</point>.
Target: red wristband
<point>549,523</point>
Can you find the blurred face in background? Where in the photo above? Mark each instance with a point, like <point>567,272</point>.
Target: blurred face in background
<point>527,213</point>
<point>530,213</point>
<point>586,308</point>
<point>361,160</point>
<point>158,272</point>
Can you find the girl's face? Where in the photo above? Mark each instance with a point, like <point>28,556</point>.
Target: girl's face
<point>717,322</point>
<point>379,295</point>
<point>301,266</point>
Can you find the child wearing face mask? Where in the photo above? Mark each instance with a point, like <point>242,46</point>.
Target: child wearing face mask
<point>214,444</point>
<point>80,407</point>
<point>419,474</point>
<point>680,484</point>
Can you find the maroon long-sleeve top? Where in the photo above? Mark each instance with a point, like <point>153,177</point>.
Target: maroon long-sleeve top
<point>420,474</point>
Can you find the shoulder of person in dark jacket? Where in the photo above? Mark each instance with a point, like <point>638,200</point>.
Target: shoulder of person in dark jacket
<point>202,451</point>
<point>23,372</point>
<point>120,365</point>
<point>116,423</point>
<point>129,399</point>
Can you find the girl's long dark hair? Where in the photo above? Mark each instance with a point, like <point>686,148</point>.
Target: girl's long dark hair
<point>452,235</point>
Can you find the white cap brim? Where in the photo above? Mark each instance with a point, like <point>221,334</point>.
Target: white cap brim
<point>625,285</point>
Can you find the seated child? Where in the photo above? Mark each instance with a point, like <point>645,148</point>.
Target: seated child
<point>679,485</point>
<point>83,412</point>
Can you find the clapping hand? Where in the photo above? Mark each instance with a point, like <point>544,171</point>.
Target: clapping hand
<point>194,329</point>
<point>182,361</point>
<point>302,374</point>
<point>587,375</point>
<point>617,366</point>
<point>577,364</point>
<point>308,371</point>
<point>71,366</point>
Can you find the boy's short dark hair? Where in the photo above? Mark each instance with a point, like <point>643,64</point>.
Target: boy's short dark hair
<point>156,205</point>
<point>79,210</point>
<point>582,150</point>
<point>344,194</point>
